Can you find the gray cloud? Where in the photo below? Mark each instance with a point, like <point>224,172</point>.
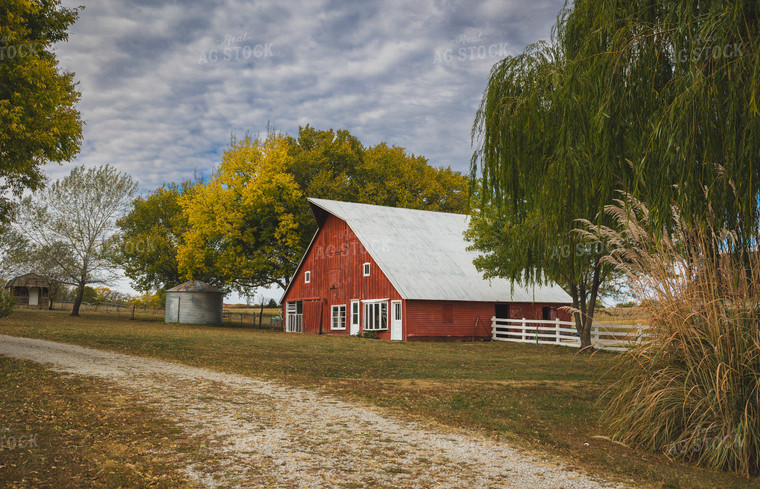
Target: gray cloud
<point>165,83</point>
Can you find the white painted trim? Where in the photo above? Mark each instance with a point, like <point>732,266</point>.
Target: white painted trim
<point>366,269</point>
<point>387,314</point>
<point>307,277</point>
<point>358,324</point>
<point>396,325</point>
<point>369,301</point>
<point>332,316</point>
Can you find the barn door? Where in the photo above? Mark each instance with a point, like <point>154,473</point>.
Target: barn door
<point>354,317</point>
<point>396,323</point>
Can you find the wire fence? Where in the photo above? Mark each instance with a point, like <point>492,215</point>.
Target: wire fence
<point>245,319</point>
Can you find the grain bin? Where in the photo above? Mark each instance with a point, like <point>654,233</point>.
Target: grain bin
<point>194,302</point>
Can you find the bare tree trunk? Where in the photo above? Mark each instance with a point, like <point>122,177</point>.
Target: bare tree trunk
<point>589,308</point>
<point>78,300</point>
<point>261,311</point>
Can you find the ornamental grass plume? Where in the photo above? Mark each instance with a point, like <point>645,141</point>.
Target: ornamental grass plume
<point>691,387</point>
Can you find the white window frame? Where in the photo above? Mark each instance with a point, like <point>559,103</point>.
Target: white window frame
<point>356,315</point>
<point>293,319</point>
<point>340,318</point>
<point>375,315</point>
<point>366,269</point>
<point>307,277</point>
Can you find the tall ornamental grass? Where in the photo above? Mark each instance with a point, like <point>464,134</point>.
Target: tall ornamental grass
<point>691,388</point>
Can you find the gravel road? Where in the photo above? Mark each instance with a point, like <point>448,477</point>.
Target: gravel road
<point>265,434</point>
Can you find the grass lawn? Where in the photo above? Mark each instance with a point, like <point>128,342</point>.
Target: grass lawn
<point>537,397</point>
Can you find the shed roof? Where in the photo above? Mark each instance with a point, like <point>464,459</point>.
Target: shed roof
<point>195,286</point>
<point>28,280</point>
<point>424,254</point>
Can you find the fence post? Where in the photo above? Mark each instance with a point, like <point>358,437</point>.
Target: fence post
<point>524,330</point>
<point>556,330</point>
<point>493,328</point>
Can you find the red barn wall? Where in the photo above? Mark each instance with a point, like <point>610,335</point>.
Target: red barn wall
<point>464,320</point>
<point>448,320</point>
<point>335,261</point>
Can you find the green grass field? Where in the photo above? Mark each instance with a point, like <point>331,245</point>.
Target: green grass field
<point>542,398</point>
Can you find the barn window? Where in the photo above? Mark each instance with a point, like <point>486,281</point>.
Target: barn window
<point>448,314</point>
<point>365,269</point>
<point>307,277</point>
<point>338,317</point>
<point>376,316</point>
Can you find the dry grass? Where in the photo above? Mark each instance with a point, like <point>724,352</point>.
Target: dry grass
<point>59,431</point>
<point>540,398</point>
<point>691,390</point>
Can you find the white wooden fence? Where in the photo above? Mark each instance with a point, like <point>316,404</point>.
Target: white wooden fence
<point>616,337</point>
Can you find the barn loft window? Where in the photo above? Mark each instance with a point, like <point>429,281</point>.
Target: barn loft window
<point>365,269</point>
<point>376,316</point>
<point>338,317</point>
<point>307,277</point>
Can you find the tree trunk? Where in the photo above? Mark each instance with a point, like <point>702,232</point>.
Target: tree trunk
<point>78,300</point>
<point>589,308</point>
<point>261,312</point>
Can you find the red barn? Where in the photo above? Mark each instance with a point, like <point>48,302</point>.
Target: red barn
<point>404,274</point>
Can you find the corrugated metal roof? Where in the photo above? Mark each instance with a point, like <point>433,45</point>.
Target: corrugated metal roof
<point>195,286</point>
<point>424,255</point>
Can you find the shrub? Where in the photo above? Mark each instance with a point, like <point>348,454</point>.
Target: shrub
<point>692,388</point>
<point>7,303</point>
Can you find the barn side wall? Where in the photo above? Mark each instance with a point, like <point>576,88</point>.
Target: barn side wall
<point>335,261</point>
<point>445,320</point>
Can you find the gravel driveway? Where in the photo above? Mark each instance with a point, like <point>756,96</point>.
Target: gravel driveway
<point>269,435</point>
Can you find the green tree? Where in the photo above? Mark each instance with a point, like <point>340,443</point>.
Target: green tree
<point>389,176</point>
<point>657,99</point>
<point>76,216</point>
<point>676,91</point>
<point>151,233</point>
<point>90,295</point>
<point>538,177</point>
<point>37,100</point>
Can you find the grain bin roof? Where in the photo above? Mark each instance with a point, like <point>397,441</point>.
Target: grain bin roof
<point>195,286</point>
<point>424,254</point>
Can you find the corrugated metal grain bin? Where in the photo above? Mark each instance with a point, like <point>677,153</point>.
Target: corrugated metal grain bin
<point>194,302</point>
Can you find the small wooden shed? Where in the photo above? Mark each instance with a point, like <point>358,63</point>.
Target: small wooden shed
<point>30,290</point>
<point>194,302</point>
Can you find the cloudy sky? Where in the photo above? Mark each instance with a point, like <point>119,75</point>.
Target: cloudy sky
<point>165,83</point>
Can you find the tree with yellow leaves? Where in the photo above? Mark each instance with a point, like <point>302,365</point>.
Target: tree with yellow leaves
<point>242,225</point>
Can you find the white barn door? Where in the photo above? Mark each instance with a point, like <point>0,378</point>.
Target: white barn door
<point>396,323</point>
<point>354,318</point>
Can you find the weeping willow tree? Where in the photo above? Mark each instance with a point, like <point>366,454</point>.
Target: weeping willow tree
<point>657,99</point>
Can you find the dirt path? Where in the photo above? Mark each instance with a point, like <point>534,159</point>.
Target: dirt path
<point>270,435</point>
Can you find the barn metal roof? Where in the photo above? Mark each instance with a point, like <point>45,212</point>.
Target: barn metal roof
<point>424,254</point>
<point>195,286</point>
